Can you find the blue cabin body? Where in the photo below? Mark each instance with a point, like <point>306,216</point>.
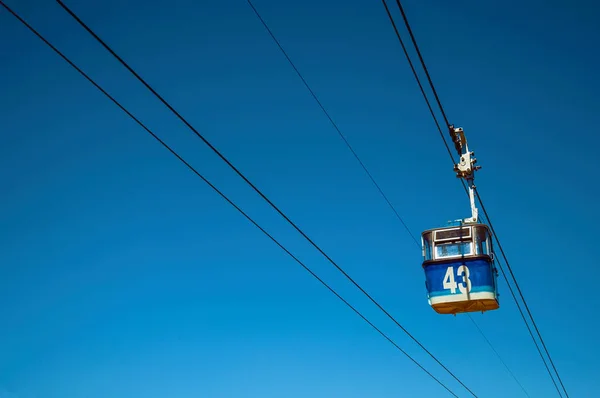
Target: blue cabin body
<point>460,275</point>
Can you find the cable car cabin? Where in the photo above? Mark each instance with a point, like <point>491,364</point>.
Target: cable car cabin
<point>459,269</point>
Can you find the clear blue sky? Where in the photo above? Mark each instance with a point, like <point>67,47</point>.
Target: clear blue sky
<point>123,275</point>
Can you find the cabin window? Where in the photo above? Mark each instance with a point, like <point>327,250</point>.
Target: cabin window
<point>489,242</point>
<point>483,241</point>
<point>426,239</point>
<point>455,249</point>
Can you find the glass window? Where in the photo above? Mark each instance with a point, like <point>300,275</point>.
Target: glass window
<point>490,248</point>
<point>453,234</point>
<point>453,249</point>
<point>481,238</point>
<point>426,238</point>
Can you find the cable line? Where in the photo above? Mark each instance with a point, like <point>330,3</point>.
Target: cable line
<point>412,37</point>
<point>312,93</point>
<point>189,166</point>
<point>478,196</point>
<point>498,355</point>
<point>239,173</point>
<point>524,302</point>
<point>257,13</point>
<point>387,10</point>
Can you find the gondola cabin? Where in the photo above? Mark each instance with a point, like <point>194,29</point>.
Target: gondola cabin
<point>460,275</point>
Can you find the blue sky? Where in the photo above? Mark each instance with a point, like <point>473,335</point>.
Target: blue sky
<point>124,275</point>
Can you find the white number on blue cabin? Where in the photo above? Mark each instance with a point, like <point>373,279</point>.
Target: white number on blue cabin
<point>450,282</point>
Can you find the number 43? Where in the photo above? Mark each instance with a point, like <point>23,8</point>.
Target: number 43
<point>450,283</point>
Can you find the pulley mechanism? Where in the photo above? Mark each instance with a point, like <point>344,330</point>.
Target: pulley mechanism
<point>465,168</point>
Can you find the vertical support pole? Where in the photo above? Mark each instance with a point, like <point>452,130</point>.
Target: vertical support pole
<point>474,210</point>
